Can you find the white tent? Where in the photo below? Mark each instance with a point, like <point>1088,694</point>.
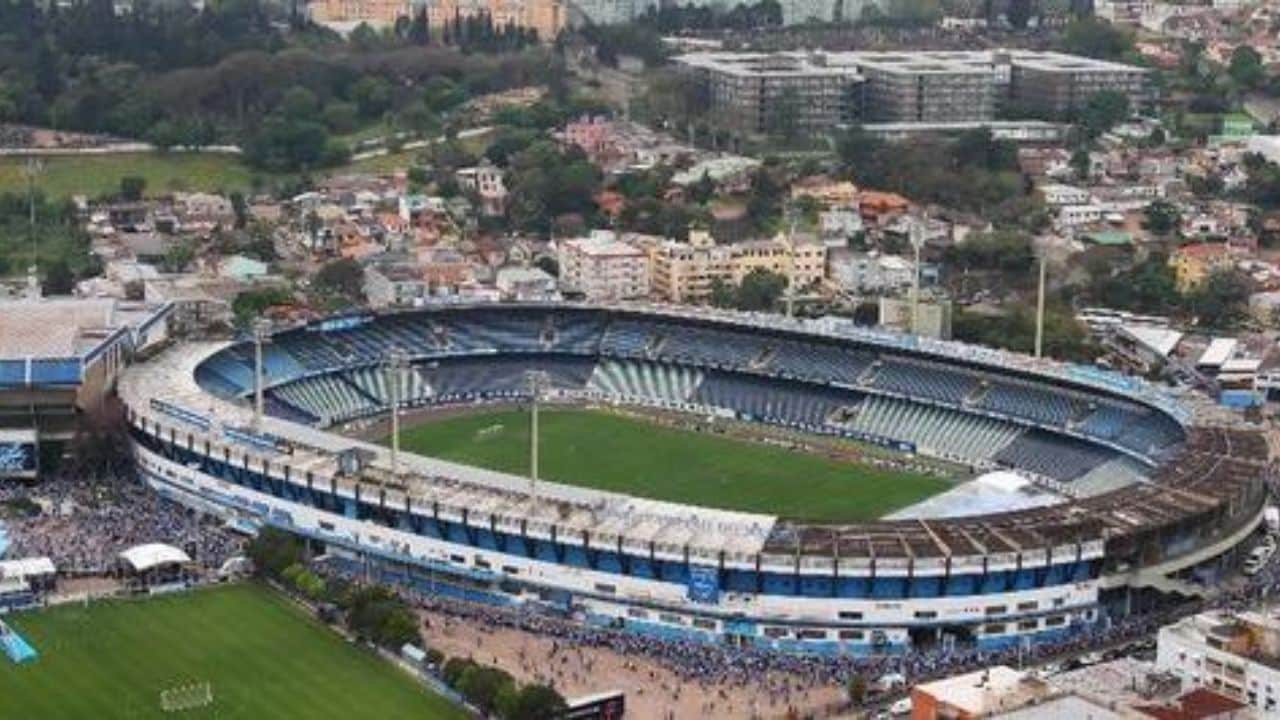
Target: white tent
<point>145,557</point>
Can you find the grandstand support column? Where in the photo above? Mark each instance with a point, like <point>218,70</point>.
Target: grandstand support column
<point>536,381</point>
<point>261,329</point>
<point>397,364</point>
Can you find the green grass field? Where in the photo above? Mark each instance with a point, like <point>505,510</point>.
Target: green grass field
<point>98,175</point>
<point>607,451</point>
<point>264,657</point>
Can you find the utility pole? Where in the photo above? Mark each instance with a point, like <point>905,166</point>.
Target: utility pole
<point>261,331</point>
<point>397,365</point>
<point>536,380</point>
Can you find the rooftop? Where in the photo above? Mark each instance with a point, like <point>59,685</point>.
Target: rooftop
<point>63,327</point>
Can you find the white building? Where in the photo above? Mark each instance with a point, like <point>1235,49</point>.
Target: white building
<point>1056,194</point>
<point>1236,655</point>
<point>525,283</point>
<point>601,267</point>
<point>485,180</point>
<point>839,225</point>
<point>1075,215</point>
<point>870,273</point>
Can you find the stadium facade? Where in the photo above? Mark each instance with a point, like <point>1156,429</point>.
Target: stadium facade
<point>59,358</point>
<point>1144,490</point>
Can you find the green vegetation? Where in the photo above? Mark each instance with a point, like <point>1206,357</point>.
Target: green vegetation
<point>263,657</point>
<point>97,175</point>
<point>248,73</point>
<point>604,450</point>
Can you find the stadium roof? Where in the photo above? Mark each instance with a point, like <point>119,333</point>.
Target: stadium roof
<point>64,327</point>
<point>145,557</point>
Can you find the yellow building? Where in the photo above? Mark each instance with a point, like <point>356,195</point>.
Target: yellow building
<point>1194,263</point>
<point>686,272</point>
<point>545,16</point>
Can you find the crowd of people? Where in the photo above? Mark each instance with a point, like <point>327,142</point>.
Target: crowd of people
<point>83,526</point>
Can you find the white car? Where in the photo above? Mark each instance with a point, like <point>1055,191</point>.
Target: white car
<point>902,707</point>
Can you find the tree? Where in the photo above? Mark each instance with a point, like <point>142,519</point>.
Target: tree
<point>132,187</point>
<point>1104,110</point>
<point>343,278</point>
<point>857,689</point>
<point>1245,68</point>
<point>1080,163</point>
<point>98,448</point>
<point>273,550</point>
<point>1161,217</point>
<point>178,257</point>
<point>58,279</point>
<point>1222,300</point>
<point>760,290</point>
<point>536,702</point>
<point>1097,39</point>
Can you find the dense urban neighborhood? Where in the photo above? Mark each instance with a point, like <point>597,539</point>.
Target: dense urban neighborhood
<point>600,359</point>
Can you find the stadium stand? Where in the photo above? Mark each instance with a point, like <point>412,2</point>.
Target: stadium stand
<point>970,439</point>
<point>645,382</point>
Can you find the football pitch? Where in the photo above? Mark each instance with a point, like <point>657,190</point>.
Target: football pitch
<point>604,450</point>
<point>262,656</point>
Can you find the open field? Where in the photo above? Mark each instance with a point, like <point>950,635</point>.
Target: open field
<point>94,175</point>
<point>599,449</point>
<point>263,656</point>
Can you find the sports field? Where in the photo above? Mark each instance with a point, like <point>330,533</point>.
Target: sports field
<point>600,449</point>
<point>263,656</point>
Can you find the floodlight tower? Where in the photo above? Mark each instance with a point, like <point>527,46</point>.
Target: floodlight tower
<point>917,239</point>
<point>31,171</point>
<point>397,364</point>
<point>1046,248</point>
<point>261,333</point>
<point>536,381</point>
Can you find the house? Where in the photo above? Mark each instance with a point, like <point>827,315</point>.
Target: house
<point>525,283</point>
<point>485,180</point>
<point>1195,262</point>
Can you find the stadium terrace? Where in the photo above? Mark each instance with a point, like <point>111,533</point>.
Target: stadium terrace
<point>1143,487</point>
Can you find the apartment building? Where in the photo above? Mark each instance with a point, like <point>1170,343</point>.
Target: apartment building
<point>1236,655</point>
<point>1058,84</point>
<point>601,267</point>
<point>926,87</point>
<point>748,90</point>
<point>348,12</point>
<point>757,92</point>
<point>687,272</point>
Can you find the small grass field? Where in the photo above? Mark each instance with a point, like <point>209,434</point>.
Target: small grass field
<point>263,657</point>
<point>604,450</point>
<point>94,175</point>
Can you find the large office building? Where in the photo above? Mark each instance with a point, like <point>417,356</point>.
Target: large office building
<point>749,90</point>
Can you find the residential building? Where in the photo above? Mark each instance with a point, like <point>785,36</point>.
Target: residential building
<point>752,91</point>
<point>525,283</point>
<point>687,272</point>
<point>1234,654</point>
<point>763,92</point>
<point>485,180</point>
<point>601,268</point>
<point>867,273</point>
<point>1193,263</point>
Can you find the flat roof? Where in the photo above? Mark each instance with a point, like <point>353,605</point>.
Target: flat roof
<point>1218,352</point>
<point>64,327</point>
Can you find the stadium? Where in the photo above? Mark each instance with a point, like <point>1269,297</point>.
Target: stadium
<point>1127,488</point>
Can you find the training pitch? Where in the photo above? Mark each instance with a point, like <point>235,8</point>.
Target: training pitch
<point>262,657</point>
<point>604,450</point>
